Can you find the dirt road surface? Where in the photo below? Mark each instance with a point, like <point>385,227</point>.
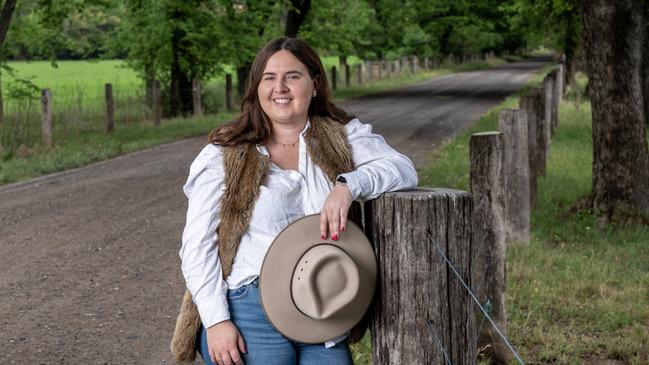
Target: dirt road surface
<point>89,266</point>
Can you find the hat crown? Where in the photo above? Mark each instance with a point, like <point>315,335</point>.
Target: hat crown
<point>325,280</point>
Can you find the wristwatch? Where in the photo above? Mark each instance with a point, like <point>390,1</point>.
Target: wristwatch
<point>341,181</point>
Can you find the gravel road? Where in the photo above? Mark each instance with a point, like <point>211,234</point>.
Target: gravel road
<point>89,266</point>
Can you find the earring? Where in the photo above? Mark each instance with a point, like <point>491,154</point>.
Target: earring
<point>314,93</point>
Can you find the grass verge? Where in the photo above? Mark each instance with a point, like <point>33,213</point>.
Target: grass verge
<point>74,148</point>
<point>576,294</point>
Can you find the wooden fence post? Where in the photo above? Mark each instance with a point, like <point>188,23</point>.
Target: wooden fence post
<point>368,70</point>
<point>228,92</point>
<point>513,124</point>
<point>46,118</point>
<point>415,285</point>
<point>347,76</point>
<point>548,85</point>
<point>542,133</point>
<point>528,103</point>
<point>110,108</point>
<point>561,80</point>
<point>554,111</point>
<point>413,65</point>
<point>157,102</point>
<point>334,78</point>
<point>488,190</point>
<point>359,74</point>
<point>197,97</point>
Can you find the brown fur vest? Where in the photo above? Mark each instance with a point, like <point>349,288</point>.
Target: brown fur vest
<point>245,172</point>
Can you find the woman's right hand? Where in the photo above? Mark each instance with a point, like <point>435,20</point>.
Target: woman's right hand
<point>225,343</point>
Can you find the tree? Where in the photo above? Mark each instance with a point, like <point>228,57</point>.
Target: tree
<point>295,16</point>
<point>553,23</point>
<point>5,18</point>
<point>614,34</point>
<point>174,41</point>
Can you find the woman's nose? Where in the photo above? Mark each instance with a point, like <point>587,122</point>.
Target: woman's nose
<point>280,84</point>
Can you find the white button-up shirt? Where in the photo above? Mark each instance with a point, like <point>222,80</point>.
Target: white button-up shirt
<point>285,196</point>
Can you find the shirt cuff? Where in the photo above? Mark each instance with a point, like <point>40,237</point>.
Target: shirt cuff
<point>354,183</point>
<point>214,313</point>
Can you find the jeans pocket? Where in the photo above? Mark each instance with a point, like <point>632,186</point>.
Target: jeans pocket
<point>238,293</point>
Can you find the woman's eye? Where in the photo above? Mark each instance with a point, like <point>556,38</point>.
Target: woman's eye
<point>267,78</point>
<point>293,77</point>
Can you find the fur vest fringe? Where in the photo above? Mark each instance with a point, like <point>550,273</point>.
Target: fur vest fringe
<point>245,172</point>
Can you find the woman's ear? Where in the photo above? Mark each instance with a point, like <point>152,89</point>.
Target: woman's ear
<point>316,82</point>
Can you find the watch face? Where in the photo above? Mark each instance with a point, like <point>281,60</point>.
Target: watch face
<point>341,179</point>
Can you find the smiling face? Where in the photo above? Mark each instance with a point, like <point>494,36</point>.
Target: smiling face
<point>285,89</point>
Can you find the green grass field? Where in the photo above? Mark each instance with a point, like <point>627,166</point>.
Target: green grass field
<point>576,294</point>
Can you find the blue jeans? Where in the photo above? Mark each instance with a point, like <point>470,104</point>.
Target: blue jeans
<point>265,345</point>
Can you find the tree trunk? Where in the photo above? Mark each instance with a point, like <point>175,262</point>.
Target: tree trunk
<point>570,44</point>
<point>242,78</point>
<point>5,18</point>
<point>2,105</point>
<point>180,90</point>
<point>645,70</point>
<point>614,34</point>
<point>295,17</point>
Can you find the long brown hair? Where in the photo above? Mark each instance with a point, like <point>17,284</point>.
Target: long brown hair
<point>253,125</point>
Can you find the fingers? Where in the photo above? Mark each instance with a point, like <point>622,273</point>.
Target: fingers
<point>235,357</point>
<point>242,344</point>
<point>334,223</point>
<point>323,224</point>
<point>213,356</point>
<point>229,358</point>
<point>343,219</point>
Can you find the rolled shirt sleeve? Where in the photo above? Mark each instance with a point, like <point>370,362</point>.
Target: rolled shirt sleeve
<point>201,265</point>
<point>379,168</point>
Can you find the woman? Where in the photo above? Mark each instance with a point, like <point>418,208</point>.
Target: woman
<point>290,133</point>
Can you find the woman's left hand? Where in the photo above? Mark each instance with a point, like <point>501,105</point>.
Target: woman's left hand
<point>333,217</point>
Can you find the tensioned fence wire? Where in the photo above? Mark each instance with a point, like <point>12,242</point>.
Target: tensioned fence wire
<point>484,310</point>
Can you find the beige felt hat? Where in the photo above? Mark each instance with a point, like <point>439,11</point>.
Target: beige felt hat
<point>313,290</point>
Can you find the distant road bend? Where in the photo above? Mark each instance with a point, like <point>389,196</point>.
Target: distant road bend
<point>89,267</point>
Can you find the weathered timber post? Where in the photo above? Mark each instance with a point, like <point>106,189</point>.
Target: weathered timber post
<point>513,124</point>
<point>542,133</point>
<point>415,285</point>
<point>426,65</point>
<point>528,103</point>
<point>380,69</point>
<point>197,100</point>
<point>359,74</point>
<point>368,70</point>
<point>561,70</point>
<point>413,65</point>
<point>554,112</point>
<point>347,76</point>
<point>157,102</point>
<point>548,85</point>
<point>334,78</point>
<point>228,92</point>
<point>488,190</point>
<point>46,117</point>
<point>110,108</point>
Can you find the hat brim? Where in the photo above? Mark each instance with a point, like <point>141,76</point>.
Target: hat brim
<point>277,271</point>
